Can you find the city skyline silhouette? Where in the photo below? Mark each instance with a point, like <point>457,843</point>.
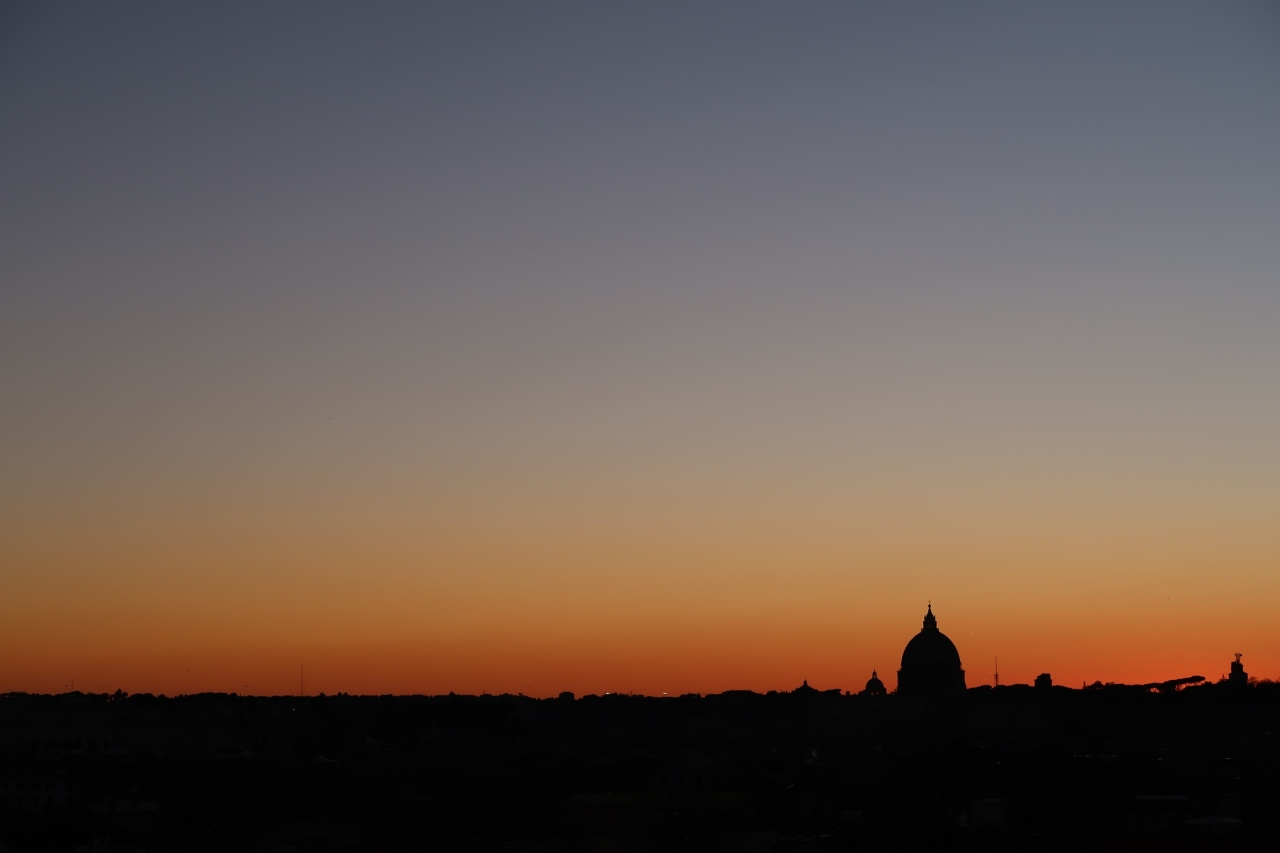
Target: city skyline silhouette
<point>931,660</point>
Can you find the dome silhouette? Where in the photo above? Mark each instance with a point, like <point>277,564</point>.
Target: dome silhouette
<point>930,664</point>
<point>875,687</point>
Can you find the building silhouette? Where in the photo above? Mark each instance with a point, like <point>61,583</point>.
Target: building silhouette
<point>1238,677</point>
<point>875,687</point>
<point>930,664</point>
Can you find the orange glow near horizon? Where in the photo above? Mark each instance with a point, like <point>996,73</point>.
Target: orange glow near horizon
<point>757,657</point>
<point>642,610</point>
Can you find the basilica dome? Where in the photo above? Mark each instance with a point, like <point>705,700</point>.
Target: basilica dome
<point>930,664</point>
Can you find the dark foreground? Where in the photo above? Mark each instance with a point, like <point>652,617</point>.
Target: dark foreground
<point>1012,768</point>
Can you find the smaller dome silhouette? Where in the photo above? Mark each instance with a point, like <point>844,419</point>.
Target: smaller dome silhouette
<point>875,687</point>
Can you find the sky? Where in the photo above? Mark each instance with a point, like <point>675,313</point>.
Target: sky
<point>657,348</point>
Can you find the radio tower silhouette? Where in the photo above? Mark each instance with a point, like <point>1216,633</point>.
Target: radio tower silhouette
<point>997,671</point>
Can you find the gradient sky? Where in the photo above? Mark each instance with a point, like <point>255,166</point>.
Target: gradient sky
<point>635,347</point>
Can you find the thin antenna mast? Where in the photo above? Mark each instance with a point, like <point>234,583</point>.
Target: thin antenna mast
<point>997,671</point>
